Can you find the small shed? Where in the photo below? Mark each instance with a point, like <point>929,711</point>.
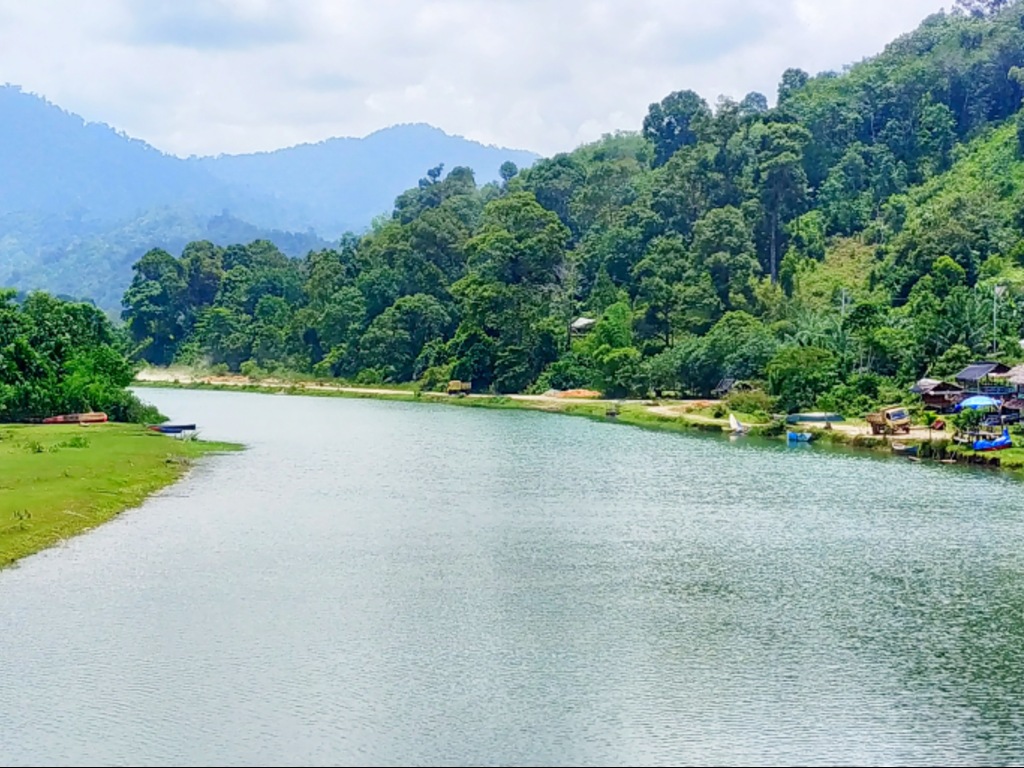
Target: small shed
<point>938,395</point>
<point>725,386</point>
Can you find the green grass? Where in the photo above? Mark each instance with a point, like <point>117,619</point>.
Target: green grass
<point>57,481</point>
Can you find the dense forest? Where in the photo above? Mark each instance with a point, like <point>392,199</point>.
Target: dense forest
<point>59,357</point>
<point>865,230</point>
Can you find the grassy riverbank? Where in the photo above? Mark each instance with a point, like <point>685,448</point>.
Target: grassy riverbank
<point>57,481</point>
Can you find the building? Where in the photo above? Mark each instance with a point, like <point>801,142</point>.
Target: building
<point>938,395</point>
<point>985,378</point>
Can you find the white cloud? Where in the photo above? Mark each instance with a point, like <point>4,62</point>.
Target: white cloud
<point>210,76</point>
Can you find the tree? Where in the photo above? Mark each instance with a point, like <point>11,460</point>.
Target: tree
<point>799,375</point>
<point>519,241</point>
<point>156,306</point>
<point>781,177</point>
<point>674,122</point>
<point>724,248</point>
<point>508,171</point>
<point>792,81</point>
<point>753,104</point>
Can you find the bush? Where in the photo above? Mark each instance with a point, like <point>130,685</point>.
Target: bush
<point>370,376</point>
<point>251,370</point>
<point>436,378</point>
<point>756,402</point>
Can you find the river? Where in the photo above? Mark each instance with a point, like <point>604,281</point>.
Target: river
<point>376,583</point>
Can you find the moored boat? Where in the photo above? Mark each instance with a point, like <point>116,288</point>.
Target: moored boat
<point>92,417</point>
<point>172,429</point>
<point>799,437</point>
<point>997,444</point>
<point>737,427</point>
<point>798,418</point>
<point>904,449</point>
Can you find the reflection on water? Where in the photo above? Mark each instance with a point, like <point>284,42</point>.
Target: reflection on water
<point>384,583</point>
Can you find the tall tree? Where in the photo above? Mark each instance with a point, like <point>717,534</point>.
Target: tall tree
<point>675,122</point>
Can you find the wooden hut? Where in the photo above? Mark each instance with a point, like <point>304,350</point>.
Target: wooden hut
<point>939,396</point>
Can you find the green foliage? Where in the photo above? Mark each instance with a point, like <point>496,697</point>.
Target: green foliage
<point>62,357</point>
<point>798,376</point>
<point>755,402</point>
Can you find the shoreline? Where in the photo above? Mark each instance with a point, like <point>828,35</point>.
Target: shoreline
<point>59,481</point>
<point>664,414</point>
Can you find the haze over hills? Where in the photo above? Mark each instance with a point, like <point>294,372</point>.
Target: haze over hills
<point>80,202</point>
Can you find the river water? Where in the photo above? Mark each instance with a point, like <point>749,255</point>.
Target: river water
<point>376,583</point>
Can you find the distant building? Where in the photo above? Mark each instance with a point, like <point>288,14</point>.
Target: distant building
<point>725,386</point>
<point>985,377</point>
<point>939,395</point>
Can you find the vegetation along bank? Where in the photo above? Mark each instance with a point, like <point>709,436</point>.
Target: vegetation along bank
<point>58,358</point>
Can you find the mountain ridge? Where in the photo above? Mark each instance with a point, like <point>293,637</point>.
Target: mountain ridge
<point>77,195</point>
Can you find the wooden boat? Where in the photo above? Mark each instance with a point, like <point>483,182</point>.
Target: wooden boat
<point>903,449</point>
<point>797,418</point>
<point>92,417</point>
<point>799,437</point>
<point>172,429</point>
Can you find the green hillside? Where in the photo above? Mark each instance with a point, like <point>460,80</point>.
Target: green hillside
<point>831,249</point>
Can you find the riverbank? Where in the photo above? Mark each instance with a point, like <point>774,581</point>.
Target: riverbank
<point>671,415</point>
<point>702,415</point>
<point>58,481</point>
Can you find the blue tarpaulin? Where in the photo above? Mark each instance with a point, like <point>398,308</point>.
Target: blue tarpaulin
<point>978,401</point>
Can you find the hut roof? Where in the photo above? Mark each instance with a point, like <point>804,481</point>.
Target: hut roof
<point>724,386</point>
<point>583,323</point>
<point>1016,375</point>
<point>978,371</point>
<point>935,387</point>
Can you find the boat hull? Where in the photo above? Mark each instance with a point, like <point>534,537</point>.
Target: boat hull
<point>93,417</point>
<point>172,429</point>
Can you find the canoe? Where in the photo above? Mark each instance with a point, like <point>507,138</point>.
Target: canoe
<point>905,450</point>
<point>799,437</point>
<point>172,429</point>
<point>92,417</point>
<point>797,418</point>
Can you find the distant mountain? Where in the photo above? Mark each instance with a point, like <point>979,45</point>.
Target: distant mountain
<point>339,185</point>
<point>80,202</point>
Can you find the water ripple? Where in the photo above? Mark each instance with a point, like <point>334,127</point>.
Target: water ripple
<point>380,583</point>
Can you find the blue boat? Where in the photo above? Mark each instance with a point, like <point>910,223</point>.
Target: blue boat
<point>997,444</point>
<point>172,429</point>
<point>799,437</point>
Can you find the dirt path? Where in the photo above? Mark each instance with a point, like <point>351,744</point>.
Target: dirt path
<point>678,409</point>
<point>184,376</point>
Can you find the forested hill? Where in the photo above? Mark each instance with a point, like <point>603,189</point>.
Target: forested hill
<point>80,202</point>
<point>829,249</point>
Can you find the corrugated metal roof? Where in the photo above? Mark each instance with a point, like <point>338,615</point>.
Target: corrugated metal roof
<point>924,386</point>
<point>978,371</point>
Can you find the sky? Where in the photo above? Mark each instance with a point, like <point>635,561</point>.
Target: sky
<point>207,77</point>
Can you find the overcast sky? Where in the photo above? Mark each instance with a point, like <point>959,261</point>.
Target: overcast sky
<point>212,76</point>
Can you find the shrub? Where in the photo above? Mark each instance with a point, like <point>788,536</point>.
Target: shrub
<point>756,402</point>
